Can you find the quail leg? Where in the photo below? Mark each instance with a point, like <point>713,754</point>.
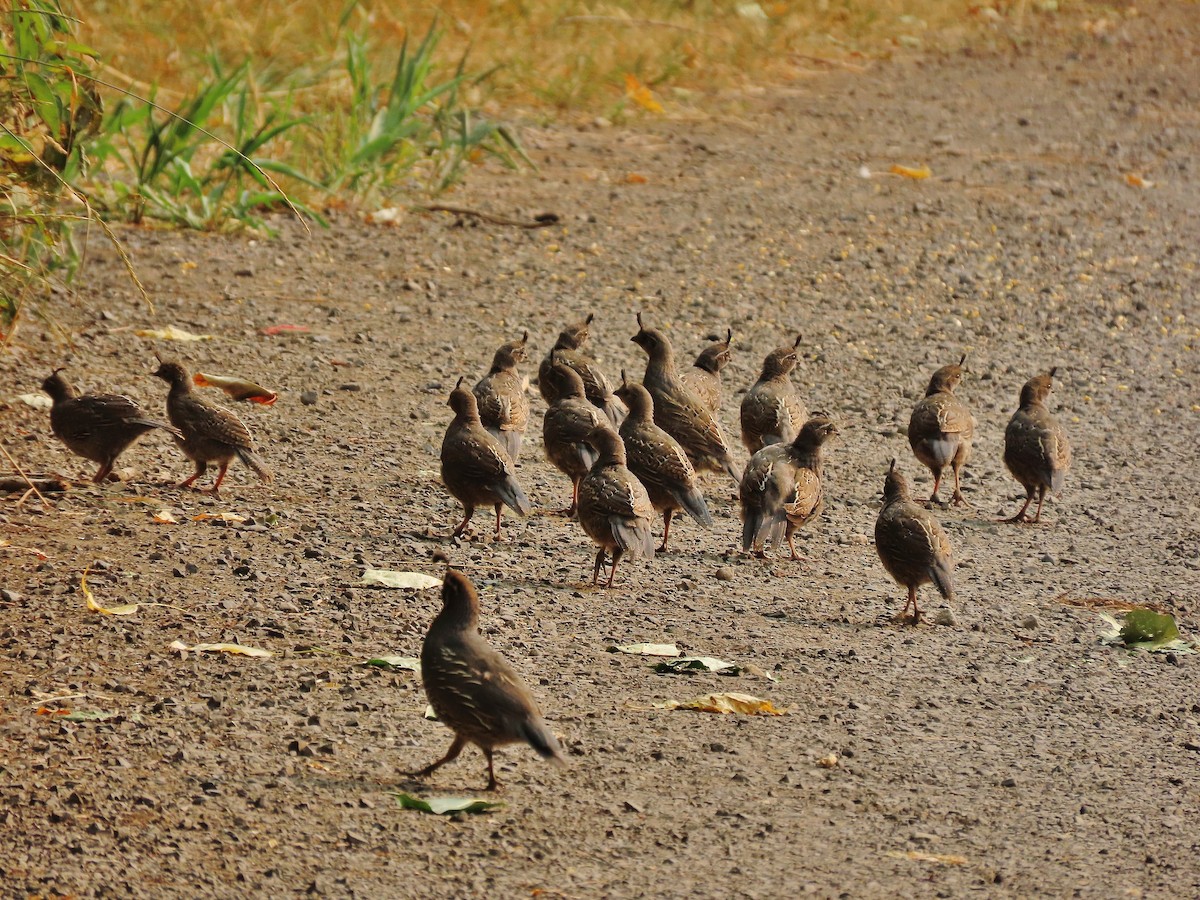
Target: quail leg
<point>662,548</point>
<point>1020,516</point>
<point>452,753</point>
<point>492,782</point>
<point>188,482</point>
<point>462,526</point>
<point>598,566</point>
<point>499,506</point>
<point>937,483</point>
<point>216,488</point>
<point>957,499</point>
<point>1037,517</point>
<point>617,553</point>
<point>103,472</point>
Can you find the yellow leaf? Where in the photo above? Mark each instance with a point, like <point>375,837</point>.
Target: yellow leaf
<point>187,265</point>
<point>165,517</point>
<point>635,178</point>
<point>227,517</point>
<point>907,172</point>
<point>239,649</point>
<point>125,610</point>
<point>1134,180</point>
<point>171,333</point>
<point>640,94</point>
<point>942,859</point>
<point>726,703</point>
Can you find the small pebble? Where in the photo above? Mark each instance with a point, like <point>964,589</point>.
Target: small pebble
<point>308,398</point>
<point>350,386</point>
<point>724,574</point>
<point>1030,622</point>
<point>945,617</point>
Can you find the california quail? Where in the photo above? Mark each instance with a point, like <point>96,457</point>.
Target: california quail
<point>781,489</point>
<point>941,428</point>
<point>677,410</point>
<point>99,427</point>
<point>614,508</point>
<point>471,687</point>
<point>566,425</point>
<point>503,406</point>
<point>911,544</point>
<point>1036,449</point>
<point>658,461</point>
<point>475,467</point>
<point>209,433</point>
<point>772,412</point>
<point>704,376</point>
<point>596,386</point>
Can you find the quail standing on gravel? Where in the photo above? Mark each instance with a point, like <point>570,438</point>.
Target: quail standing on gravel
<point>471,687</point>
<point>772,412</point>
<point>566,350</point>
<point>614,508</point>
<point>503,406</point>
<point>941,428</point>
<point>209,433</point>
<point>658,461</point>
<point>678,410</point>
<point>566,425</point>
<point>911,544</point>
<point>781,489</point>
<point>704,376</point>
<point>98,427</point>
<point>475,467</point>
<point>1036,449</point>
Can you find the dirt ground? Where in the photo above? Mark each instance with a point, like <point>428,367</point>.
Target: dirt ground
<point>1012,754</point>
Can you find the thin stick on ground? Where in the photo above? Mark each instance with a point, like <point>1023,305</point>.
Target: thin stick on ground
<point>32,487</point>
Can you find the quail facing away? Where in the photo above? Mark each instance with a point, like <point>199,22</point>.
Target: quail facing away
<point>911,544</point>
<point>99,427</point>
<point>566,425</point>
<point>471,687</point>
<point>704,376</point>
<point>475,467</point>
<point>941,428</point>
<point>781,489</point>
<point>210,433</point>
<point>614,508</point>
<point>1036,449</point>
<point>503,406</point>
<point>596,386</point>
<point>658,461</point>
<point>772,411</point>
<point>677,410</point>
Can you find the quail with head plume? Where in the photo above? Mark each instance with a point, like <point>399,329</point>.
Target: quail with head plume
<point>677,410</point>
<point>566,425</point>
<point>1036,449</point>
<point>98,427</point>
<point>781,489</point>
<point>503,406</point>
<point>658,461</point>
<point>614,508</point>
<point>704,376</point>
<point>566,350</point>
<point>941,428</point>
<point>209,433</point>
<point>472,688</point>
<point>772,412</point>
<point>475,467</point>
<point>911,544</point>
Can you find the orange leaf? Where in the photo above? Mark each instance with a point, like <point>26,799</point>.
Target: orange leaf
<point>907,172</point>
<point>1134,180</point>
<point>635,178</point>
<point>283,329</point>
<point>640,94</point>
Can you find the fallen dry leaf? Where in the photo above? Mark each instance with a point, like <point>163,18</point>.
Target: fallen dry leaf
<point>828,761</point>
<point>228,517</point>
<point>726,703</point>
<point>635,178</point>
<point>37,401</point>
<point>1134,180</point>
<point>125,610</point>
<point>165,517</point>
<point>171,333</point>
<point>237,388</point>
<point>285,329</point>
<point>640,94</point>
<point>239,649</point>
<point>942,859</point>
<point>908,172</point>
<point>387,578</point>
<point>647,649</point>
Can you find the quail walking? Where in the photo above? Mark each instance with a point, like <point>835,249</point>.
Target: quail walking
<point>503,406</point>
<point>473,689</point>
<point>658,462</point>
<point>98,427</point>
<point>703,378</point>
<point>772,412</point>
<point>208,433</point>
<point>911,544</point>
<point>597,388</point>
<point>677,410</point>
<point>614,508</point>
<point>1036,449</point>
<point>782,489</point>
<point>566,425</point>
<point>475,467</point>
<point>941,428</point>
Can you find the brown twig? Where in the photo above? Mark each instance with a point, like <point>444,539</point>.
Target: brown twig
<point>21,472</point>
<point>544,220</point>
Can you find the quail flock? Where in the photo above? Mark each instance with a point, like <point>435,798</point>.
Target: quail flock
<point>669,432</point>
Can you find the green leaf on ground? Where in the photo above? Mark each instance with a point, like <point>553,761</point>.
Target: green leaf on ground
<point>441,806</point>
<point>697,664</point>
<point>1145,629</point>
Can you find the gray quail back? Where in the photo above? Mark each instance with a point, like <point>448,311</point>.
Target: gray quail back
<point>941,428</point>
<point>566,350</point>
<point>1036,449</point>
<point>565,426</point>
<point>475,467</point>
<point>772,412</point>
<point>503,405</point>
<point>472,688</point>
<point>614,508</point>
<point>703,378</point>
<point>98,427</point>
<point>208,433</point>
<point>911,543</point>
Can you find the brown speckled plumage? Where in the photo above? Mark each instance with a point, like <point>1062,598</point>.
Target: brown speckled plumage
<point>566,425</point>
<point>209,433</point>
<point>566,350</point>
<point>703,378</point>
<point>1036,449</point>
<point>614,508</point>
<point>472,688</point>
<point>98,427</point>
<point>772,412</point>
<point>911,544</point>
<point>941,428</point>
<point>503,404</point>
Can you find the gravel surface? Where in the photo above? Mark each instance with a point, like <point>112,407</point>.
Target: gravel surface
<point>1007,753</point>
